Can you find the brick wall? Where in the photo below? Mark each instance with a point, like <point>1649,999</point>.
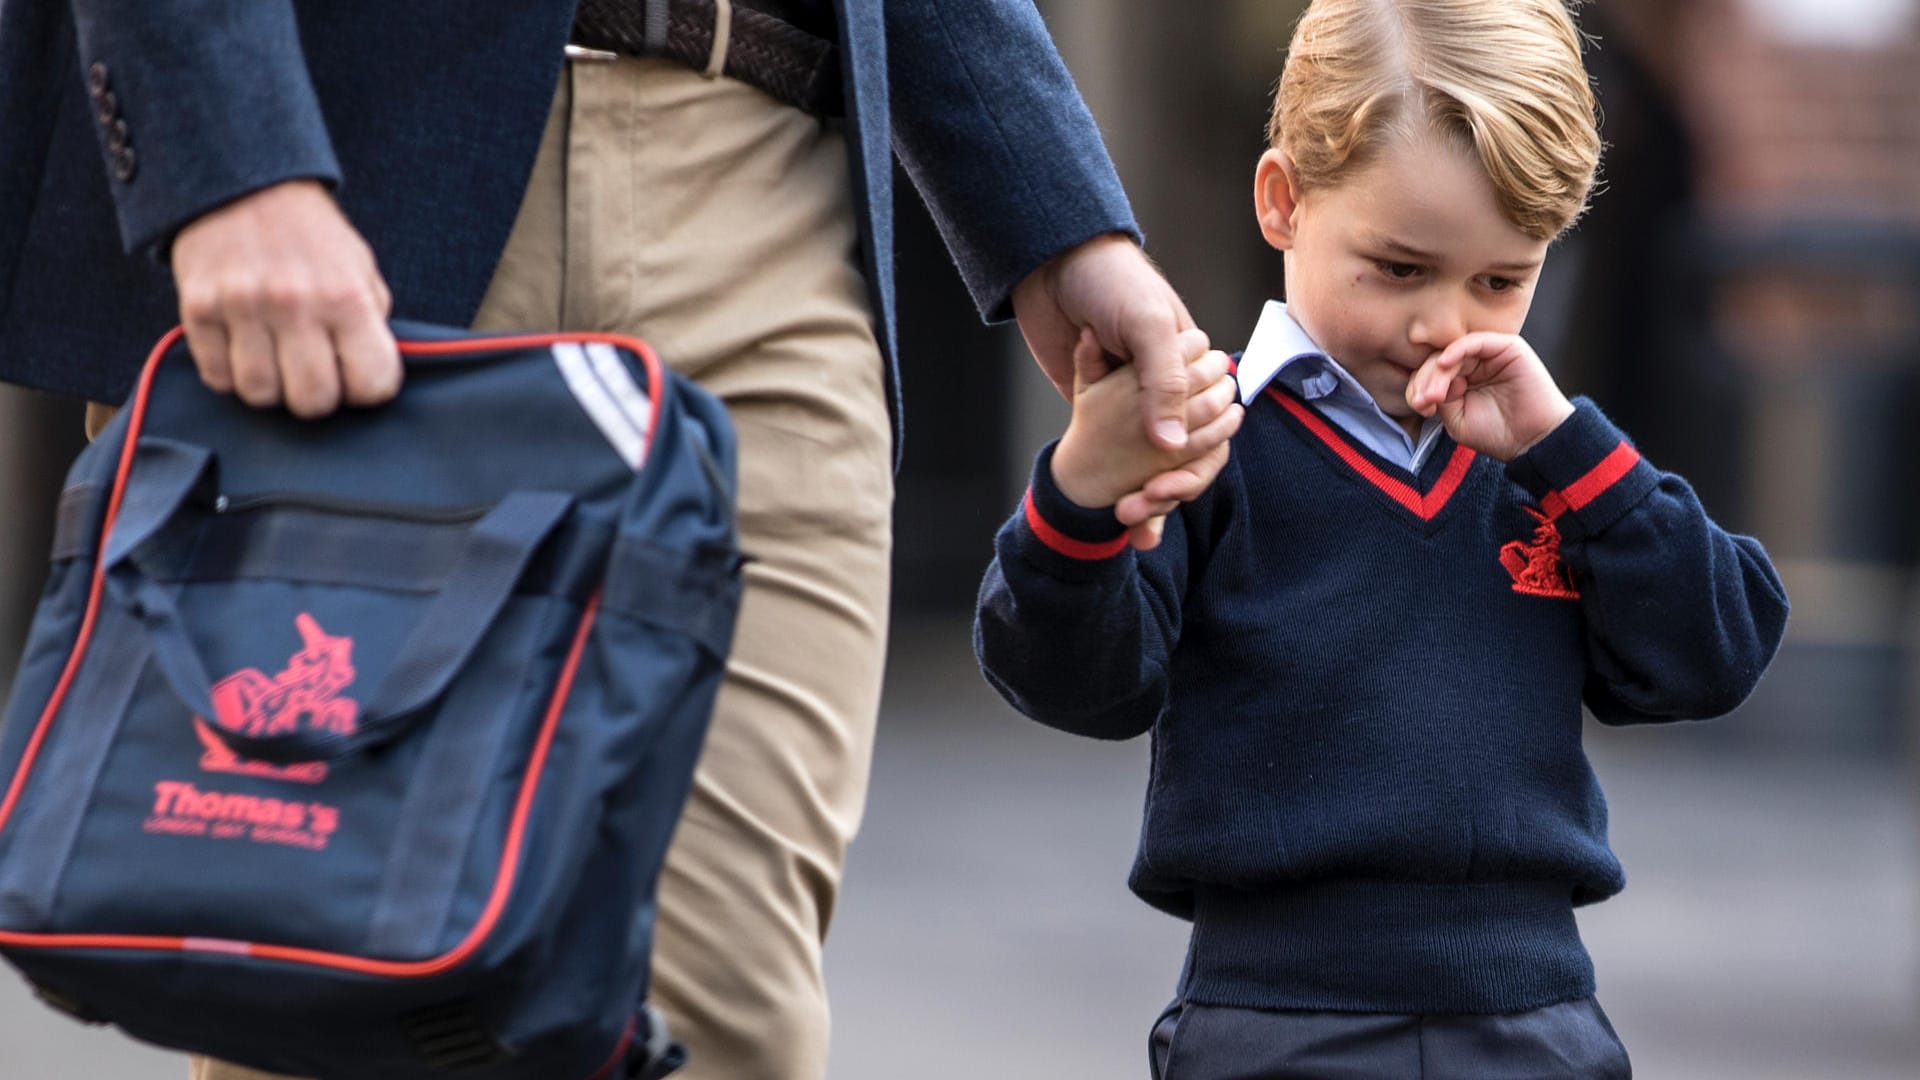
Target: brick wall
<point>1796,130</point>
<point>1807,187</point>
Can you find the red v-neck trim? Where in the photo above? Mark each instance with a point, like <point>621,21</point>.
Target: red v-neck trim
<point>1425,507</point>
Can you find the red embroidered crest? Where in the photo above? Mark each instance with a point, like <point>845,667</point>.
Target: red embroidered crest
<point>1536,566</point>
<point>306,694</point>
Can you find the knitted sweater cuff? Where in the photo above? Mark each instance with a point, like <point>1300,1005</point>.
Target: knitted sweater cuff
<point>1585,470</point>
<point>1059,535</point>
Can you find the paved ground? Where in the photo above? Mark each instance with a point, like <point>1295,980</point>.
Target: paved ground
<point>1769,931</point>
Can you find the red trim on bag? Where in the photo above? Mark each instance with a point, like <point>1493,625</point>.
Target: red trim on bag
<point>1425,507</point>
<point>216,945</point>
<point>510,857</point>
<point>1067,545</point>
<point>639,348</point>
<point>138,412</point>
<point>619,1051</point>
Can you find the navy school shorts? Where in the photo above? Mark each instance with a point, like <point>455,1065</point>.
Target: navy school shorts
<point>1569,1041</point>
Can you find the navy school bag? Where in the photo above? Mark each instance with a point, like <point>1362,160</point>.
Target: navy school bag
<point>352,749</point>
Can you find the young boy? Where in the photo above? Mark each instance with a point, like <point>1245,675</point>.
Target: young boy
<point>1362,654</point>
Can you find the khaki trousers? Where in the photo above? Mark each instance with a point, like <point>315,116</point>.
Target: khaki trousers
<point>718,225</point>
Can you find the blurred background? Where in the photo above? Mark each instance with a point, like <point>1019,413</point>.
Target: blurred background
<point>1744,297</point>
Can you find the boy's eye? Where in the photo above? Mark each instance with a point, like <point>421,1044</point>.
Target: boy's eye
<point>1501,284</point>
<point>1399,271</point>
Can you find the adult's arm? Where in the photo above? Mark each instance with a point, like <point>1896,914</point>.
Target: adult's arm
<point>994,135</point>
<point>218,159</point>
<point>211,100</point>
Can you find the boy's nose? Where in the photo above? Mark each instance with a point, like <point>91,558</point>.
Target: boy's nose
<point>1436,326</point>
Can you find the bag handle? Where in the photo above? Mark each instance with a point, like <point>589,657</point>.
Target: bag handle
<point>495,554</point>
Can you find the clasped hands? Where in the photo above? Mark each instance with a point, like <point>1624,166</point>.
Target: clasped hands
<point>1153,407</point>
<point>283,304</point>
<point>1105,457</point>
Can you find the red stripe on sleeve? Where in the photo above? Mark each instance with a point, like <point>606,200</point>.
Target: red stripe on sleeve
<point>1602,476</point>
<point>1067,545</point>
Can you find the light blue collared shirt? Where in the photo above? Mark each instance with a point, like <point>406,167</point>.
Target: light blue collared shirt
<point>1280,349</point>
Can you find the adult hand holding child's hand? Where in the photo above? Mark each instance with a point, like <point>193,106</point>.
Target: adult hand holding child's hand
<point>1492,392</point>
<point>1108,286</point>
<point>1104,458</point>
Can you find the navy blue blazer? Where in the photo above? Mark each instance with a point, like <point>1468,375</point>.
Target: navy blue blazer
<point>123,120</point>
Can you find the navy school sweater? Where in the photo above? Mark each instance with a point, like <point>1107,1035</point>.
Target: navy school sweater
<point>1364,690</point>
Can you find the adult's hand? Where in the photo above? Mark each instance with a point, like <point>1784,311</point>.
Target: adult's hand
<point>1144,512</point>
<point>1108,285</point>
<point>283,304</point>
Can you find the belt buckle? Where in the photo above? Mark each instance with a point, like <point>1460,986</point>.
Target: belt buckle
<point>583,54</point>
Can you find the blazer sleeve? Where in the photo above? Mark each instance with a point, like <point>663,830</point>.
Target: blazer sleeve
<point>1074,628</point>
<point>993,134</point>
<point>1682,616</point>
<point>197,103</point>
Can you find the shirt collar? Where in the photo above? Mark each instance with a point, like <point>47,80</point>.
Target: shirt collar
<point>1281,349</point>
<point>1279,344</point>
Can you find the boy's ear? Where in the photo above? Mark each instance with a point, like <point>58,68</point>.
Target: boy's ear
<point>1276,197</point>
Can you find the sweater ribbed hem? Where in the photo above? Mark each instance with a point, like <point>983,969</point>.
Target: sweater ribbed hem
<point>1392,947</point>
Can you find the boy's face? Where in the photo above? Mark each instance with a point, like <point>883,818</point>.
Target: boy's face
<point>1399,258</point>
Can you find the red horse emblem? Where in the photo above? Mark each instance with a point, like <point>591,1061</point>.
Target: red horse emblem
<point>1536,566</point>
<point>305,695</point>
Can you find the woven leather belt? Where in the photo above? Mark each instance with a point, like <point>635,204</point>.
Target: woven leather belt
<point>762,49</point>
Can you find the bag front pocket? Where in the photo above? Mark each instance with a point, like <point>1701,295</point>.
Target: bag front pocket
<point>289,720</point>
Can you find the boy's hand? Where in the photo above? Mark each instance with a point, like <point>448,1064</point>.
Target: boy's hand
<point>1144,512</point>
<point>1492,393</point>
<point>1109,286</point>
<point>1105,454</point>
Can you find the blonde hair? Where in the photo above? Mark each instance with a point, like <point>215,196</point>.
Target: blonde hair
<point>1501,76</point>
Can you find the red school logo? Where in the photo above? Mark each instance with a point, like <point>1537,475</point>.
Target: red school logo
<point>1535,565</point>
<point>305,695</point>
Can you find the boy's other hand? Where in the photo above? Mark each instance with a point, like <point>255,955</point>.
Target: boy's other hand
<point>1492,393</point>
<point>282,303</point>
<point>1105,455</point>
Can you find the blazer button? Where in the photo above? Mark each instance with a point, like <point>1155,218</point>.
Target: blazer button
<point>117,136</point>
<point>97,78</point>
<point>125,164</point>
<point>106,106</point>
